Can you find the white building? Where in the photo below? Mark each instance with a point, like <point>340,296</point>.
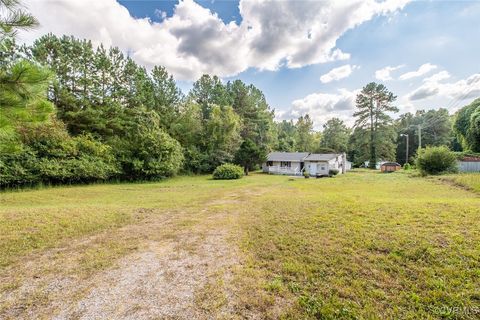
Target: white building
<point>289,163</point>
<point>296,163</point>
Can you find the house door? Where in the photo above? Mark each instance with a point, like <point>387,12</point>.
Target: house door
<point>313,169</point>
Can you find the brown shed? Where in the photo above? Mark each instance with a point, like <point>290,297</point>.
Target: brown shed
<point>390,166</point>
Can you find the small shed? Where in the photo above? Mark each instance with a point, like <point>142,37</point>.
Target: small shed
<point>390,166</point>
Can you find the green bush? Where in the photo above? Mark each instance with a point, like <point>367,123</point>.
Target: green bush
<point>333,172</point>
<point>436,160</point>
<point>49,155</point>
<point>407,166</point>
<point>228,171</point>
<point>145,151</point>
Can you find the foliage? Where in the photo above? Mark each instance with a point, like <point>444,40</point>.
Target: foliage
<point>14,17</point>
<point>359,145</point>
<point>286,133</point>
<point>50,155</point>
<point>145,151</point>
<point>407,166</point>
<point>333,172</point>
<point>22,100</point>
<point>436,160</point>
<point>462,154</point>
<point>374,103</point>
<point>436,130</point>
<point>249,155</point>
<point>227,171</point>
<point>335,135</point>
<point>304,138</point>
<point>467,126</point>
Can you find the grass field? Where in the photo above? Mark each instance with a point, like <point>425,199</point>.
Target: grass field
<point>468,180</point>
<point>363,245</point>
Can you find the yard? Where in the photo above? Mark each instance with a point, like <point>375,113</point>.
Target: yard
<point>362,245</point>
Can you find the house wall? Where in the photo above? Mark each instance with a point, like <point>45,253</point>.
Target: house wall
<point>348,165</point>
<point>318,167</point>
<point>275,168</point>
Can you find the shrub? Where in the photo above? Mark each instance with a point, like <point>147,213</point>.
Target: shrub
<point>145,151</point>
<point>333,172</point>
<point>49,155</point>
<point>407,166</point>
<point>436,160</point>
<point>228,171</point>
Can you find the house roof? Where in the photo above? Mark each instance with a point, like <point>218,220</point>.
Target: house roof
<point>321,157</point>
<point>287,156</point>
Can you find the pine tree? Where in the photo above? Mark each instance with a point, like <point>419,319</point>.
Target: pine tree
<point>373,104</point>
<point>14,18</point>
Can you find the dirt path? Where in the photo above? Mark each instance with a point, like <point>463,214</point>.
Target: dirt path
<point>180,266</point>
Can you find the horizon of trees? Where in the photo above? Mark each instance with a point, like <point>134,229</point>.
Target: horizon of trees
<point>70,112</point>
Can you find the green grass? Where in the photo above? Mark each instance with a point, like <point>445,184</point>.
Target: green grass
<point>467,180</point>
<point>363,245</point>
<point>37,219</point>
<point>368,245</point>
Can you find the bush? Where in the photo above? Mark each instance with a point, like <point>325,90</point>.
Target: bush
<point>228,171</point>
<point>436,160</point>
<point>49,155</point>
<point>145,151</point>
<point>333,172</point>
<point>407,166</point>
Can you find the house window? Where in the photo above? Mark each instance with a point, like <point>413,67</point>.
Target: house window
<point>269,163</point>
<point>285,164</point>
<point>323,168</point>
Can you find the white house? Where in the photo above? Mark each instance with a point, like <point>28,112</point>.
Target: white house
<point>296,163</point>
<point>289,163</point>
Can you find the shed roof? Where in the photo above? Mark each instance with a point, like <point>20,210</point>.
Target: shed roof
<point>287,156</point>
<point>321,157</point>
<point>391,164</point>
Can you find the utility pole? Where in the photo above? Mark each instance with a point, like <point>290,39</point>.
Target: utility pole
<point>406,151</point>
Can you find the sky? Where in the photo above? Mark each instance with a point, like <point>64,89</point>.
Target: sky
<point>306,56</point>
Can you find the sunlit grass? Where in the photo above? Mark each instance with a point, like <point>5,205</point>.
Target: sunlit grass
<point>467,180</point>
<point>368,245</point>
<point>363,245</point>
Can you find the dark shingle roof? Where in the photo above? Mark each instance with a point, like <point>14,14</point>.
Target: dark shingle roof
<point>391,164</point>
<point>287,156</point>
<point>321,157</point>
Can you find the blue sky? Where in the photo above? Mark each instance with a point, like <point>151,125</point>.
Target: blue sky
<point>305,56</point>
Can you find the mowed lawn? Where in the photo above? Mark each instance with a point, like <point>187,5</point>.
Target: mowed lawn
<point>363,245</point>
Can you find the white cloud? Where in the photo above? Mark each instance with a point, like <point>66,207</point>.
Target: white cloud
<point>422,70</point>
<point>323,106</point>
<point>442,75</point>
<point>338,73</point>
<point>194,40</point>
<point>458,91</point>
<point>160,14</point>
<point>384,73</point>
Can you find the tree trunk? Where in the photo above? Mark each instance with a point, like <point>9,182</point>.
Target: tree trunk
<point>373,150</point>
<point>245,169</point>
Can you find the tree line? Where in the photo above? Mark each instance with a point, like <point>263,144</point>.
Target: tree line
<point>71,112</point>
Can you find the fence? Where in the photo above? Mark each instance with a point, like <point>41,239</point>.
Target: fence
<point>469,166</point>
